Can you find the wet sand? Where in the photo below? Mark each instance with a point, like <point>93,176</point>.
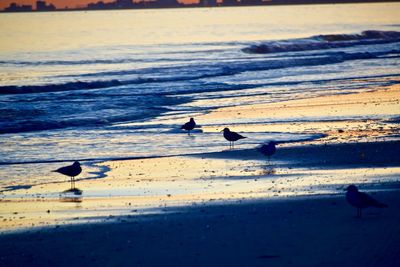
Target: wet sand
<point>229,207</point>
<point>371,116</point>
<point>145,186</point>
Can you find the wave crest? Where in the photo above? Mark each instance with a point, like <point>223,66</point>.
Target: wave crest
<point>321,42</point>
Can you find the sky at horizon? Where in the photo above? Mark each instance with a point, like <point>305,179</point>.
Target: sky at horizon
<point>67,3</point>
<point>60,4</point>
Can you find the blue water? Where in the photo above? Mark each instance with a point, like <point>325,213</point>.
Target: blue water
<point>88,92</point>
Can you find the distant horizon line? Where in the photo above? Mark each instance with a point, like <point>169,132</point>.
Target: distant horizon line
<point>138,6</point>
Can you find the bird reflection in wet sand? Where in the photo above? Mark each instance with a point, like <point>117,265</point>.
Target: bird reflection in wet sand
<point>268,171</point>
<point>71,171</point>
<point>232,137</point>
<point>190,125</point>
<point>65,197</point>
<point>361,200</point>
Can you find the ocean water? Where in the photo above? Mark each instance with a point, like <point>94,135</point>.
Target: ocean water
<point>117,84</point>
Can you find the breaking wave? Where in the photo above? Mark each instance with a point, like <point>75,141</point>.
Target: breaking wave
<point>323,42</point>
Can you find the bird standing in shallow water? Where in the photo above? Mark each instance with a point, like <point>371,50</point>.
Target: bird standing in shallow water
<point>189,125</point>
<point>268,149</point>
<point>231,137</point>
<point>71,171</point>
<point>361,200</point>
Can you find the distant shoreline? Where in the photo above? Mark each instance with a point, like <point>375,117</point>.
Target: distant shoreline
<point>286,3</point>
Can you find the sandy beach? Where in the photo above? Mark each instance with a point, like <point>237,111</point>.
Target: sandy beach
<point>313,231</point>
<point>232,208</point>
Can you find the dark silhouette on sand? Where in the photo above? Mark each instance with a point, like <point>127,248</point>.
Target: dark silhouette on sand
<point>232,137</point>
<point>71,171</point>
<point>268,149</point>
<point>361,200</point>
<point>189,125</point>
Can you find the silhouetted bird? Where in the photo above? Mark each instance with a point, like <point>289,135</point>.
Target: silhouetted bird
<point>189,125</point>
<point>268,149</point>
<point>361,200</point>
<point>231,137</point>
<point>71,171</point>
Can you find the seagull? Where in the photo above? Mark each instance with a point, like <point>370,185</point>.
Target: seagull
<point>71,171</point>
<point>268,149</point>
<point>231,137</point>
<point>361,200</point>
<point>189,125</point>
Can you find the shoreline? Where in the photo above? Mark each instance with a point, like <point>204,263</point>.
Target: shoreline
<point>330,129</point>
<point>344,155</point>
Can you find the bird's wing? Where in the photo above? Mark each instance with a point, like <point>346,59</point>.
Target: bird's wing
<point>238,136</point>
<point>63,169</point>
<point>367,200</point>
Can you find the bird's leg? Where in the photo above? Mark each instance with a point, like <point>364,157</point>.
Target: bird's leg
<point>233,145</point>
<point>189,132</point>
<point>71,182</point>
